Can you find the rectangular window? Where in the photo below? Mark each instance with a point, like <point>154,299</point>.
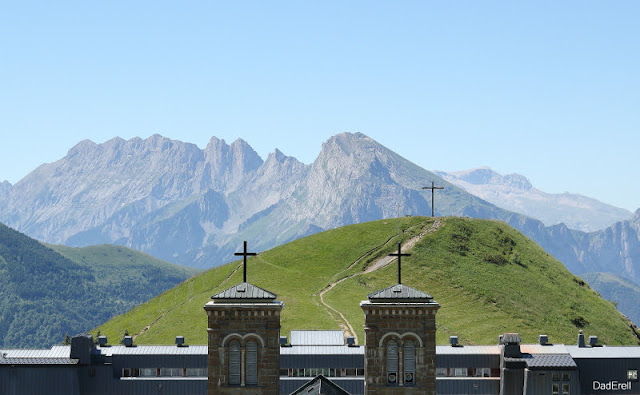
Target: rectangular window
<point>126,372</point>
<point>196,372</point>
<point>566,389</point>
<point>148,372</point>
<point>441,372</point>
<point>460,372</point>
<point>632,375</point>
<point>483,372</point>
<point>555,389</point>
<point>566,376</point>
<point>555,376</point>
<point>171,372</point>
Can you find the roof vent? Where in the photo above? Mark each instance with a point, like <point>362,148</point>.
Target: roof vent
<point>511,338</point>
<point>593,341</point>
<point>351,341</point>
<point>102,341</point>
<point>180,341</point>
<point>127,341</point>
<point>581,339</point>
<point>283,341</point>
<point>543,339</point>
<point>453,340</point>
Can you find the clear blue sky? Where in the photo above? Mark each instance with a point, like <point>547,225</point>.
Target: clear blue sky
<point>547,89</point>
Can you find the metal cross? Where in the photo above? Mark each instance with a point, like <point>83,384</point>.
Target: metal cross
<point>399,254</point>
<point>244,255</point>
<point>432,187</point>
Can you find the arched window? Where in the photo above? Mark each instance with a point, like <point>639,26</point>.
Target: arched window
<point>392,362</point>
<point>234,363</point>
<point>409,362</point>
<point>252,363</point>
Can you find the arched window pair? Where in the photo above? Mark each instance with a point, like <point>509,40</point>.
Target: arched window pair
<point>404,352</point>
<point>237,360</point>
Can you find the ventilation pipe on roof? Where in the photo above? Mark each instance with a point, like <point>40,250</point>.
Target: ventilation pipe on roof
<point>581,339</point>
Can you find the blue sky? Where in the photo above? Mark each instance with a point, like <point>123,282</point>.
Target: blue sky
<point>547,89</point>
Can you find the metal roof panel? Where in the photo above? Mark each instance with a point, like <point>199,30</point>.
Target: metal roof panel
<point>317,338</point>
<point>400,292</point>
<point>244,291</point>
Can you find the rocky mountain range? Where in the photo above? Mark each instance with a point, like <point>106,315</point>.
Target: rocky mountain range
<point>195,206</point>
<point>514,192</point>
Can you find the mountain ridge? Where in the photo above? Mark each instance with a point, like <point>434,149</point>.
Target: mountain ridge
<point>192,206</point>
<point>514,192</point>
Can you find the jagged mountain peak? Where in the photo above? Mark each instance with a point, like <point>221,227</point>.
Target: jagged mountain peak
<point>81,147</point>
<point>347,143</point>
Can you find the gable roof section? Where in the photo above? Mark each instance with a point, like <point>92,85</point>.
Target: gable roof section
<point>244,292</point>
<point>400,293</point>
<point>320,386</point>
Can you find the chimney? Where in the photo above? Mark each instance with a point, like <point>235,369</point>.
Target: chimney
<point>581,339</point>
<point>180,341</point>
<point>593,341</point>
<point>543,339</point>
<point>127,341</point>
<point>102,341</point>
<point>81,347</point>
<point>283,341</point>
<point>351,341</point>
<point>512,345</point>
<point>453,340</point>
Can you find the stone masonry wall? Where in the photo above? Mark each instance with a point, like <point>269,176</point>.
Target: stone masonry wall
<point>259,322</point>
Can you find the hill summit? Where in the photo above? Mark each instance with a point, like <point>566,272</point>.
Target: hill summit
<point>488,278</point>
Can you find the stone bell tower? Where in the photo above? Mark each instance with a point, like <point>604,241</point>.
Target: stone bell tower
<point>243,337</point>
<point>400,340</point>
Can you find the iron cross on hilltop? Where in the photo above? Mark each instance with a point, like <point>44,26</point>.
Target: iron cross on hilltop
<point>399,254</point>
<point>244,255</point>
<point>432,187</point>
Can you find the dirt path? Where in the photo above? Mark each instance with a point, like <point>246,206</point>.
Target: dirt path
<point>378,264</point>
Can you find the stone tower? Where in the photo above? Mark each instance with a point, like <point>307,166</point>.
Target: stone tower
<point>244,334</point>
<point>400,341</point>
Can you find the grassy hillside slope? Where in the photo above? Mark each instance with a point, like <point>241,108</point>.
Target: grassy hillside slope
<point>488,278</point>
<point>622,292</point>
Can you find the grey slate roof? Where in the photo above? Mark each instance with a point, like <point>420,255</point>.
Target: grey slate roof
<point>399,293</point>
<point>604,352</point>
<point>320,386</point>
<point>152,350</point>
<point>244,291</point>
<point>57,355</point>
<point>549,361</point>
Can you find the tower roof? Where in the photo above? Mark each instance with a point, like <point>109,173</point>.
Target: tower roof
<point>244,292</point>
<point>399,293</point>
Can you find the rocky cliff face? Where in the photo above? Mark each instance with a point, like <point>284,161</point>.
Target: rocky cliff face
<point>514,192</point>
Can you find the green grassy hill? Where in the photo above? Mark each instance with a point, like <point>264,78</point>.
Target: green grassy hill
<point>47,291</point>
<point>488,278</point>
